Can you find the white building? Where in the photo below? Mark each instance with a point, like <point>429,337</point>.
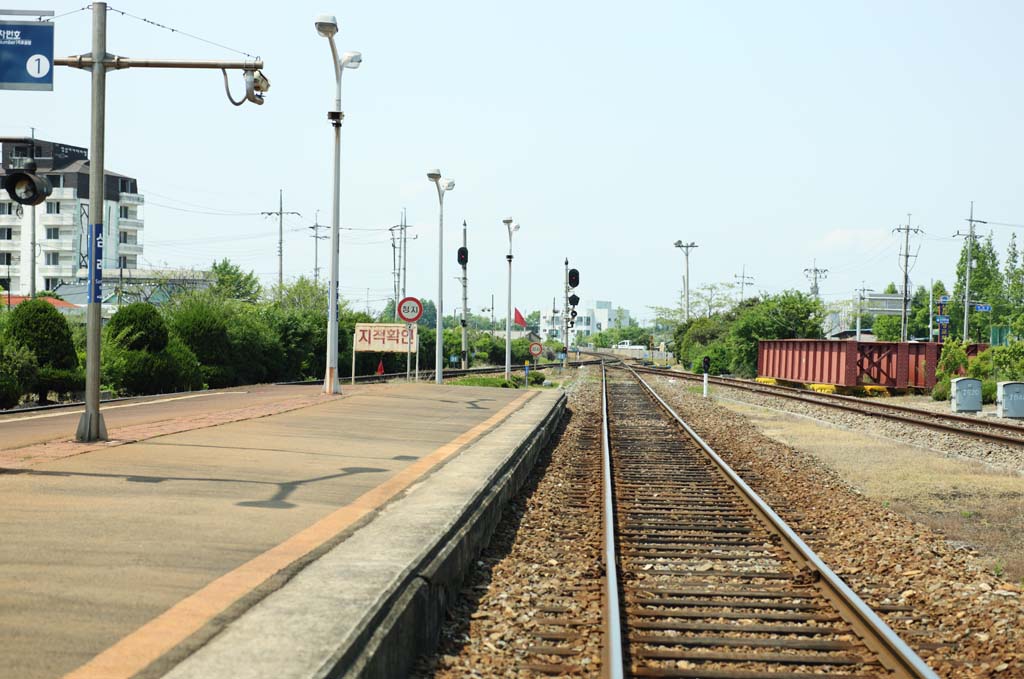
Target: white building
<point>590,319</point>
<point>61,221</point>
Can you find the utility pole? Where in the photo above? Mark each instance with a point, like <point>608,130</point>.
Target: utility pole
<point>814,273</point>
<point>744,279</point>
<point>905,311</point>
<point>931,307</point>
<point>465,303</point>
<point>280,212</point>
<point>316,250</point>
<point>686,247</point>
<point>970,264</point>
<point>860,304</point>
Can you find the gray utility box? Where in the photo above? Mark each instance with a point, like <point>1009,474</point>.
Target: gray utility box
<point>1010,399</point>
<point>965,394</point>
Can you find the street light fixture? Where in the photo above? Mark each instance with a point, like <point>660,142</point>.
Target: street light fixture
<point>327,27</point>
<point>508,320</point>
<point>443,185</point>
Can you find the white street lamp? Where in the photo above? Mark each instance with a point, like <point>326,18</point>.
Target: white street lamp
<point>508,319</point>
<point>327,26</point>
<point>442,185</point>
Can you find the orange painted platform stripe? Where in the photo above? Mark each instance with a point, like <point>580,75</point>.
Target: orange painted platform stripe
<point>136,651</point>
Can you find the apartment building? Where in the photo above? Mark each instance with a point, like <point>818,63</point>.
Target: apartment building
<point>590,319</point>
<point>61,221</point>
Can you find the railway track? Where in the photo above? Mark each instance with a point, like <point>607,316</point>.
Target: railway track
<point>704,579</point>
<point>999,432</point>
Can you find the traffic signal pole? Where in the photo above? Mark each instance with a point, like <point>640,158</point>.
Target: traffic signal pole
<point>91,426</point>
<point>565,319</point>
<point>465,301</point>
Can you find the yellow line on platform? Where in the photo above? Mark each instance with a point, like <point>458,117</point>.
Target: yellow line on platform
<point>123,405</point>
<point>139,649</point>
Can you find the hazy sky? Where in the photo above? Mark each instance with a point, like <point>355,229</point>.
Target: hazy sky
<point>772,134</point>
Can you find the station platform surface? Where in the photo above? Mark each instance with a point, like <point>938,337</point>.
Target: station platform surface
<point>258,539</point>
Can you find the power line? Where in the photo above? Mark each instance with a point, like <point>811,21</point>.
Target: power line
<point>175,30</point>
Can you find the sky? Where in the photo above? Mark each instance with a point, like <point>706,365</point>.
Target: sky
<point>777,136</point>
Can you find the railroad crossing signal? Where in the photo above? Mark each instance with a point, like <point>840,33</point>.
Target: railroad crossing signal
<point>574,278</point>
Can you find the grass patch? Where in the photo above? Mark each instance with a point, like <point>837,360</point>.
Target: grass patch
<point>481,381</point>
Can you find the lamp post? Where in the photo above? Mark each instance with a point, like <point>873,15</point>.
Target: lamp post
<point>442,185</point>
<point>686,247</point>
<point>508,319</point>
<point>327,27</point>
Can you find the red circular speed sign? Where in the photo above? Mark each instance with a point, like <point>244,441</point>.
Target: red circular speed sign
<point>410,309</point>
<point>536,349</point>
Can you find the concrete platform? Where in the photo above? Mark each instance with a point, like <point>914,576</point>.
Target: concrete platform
<point>321,541</point>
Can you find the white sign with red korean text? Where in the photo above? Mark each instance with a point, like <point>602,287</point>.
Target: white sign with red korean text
<point>385,337</point>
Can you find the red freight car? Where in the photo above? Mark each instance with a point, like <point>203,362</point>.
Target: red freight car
<point>848,363</point>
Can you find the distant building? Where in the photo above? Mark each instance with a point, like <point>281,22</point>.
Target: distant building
<point>61,221</point>
<point>590,320</point>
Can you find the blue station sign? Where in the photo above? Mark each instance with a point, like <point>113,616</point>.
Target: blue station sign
<point>983,307</point>
<point>26,55</point>
<point>942,319</point>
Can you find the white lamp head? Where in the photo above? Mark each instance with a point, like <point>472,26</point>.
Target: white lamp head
<point>434,175</point>
<point>515,228</point>
<point>679,243</point>
<point>326,25</point>
<point>351,59</point>
<point>448,184</point>
<point>507,222</point>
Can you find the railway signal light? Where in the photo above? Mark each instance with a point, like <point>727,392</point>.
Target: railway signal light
<point>573,313</point>
<point>574,299</point>
<point>574,278</point>
<point>463,255</point>
<point>26,187</point>
<point>706,364</point>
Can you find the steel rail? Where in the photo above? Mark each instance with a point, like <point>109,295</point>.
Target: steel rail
<point>613,622</point>
<point>893,652</point>
<point>912,415</point>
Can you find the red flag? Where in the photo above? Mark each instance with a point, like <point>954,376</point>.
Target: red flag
<point>380,367</point>
<point>519,320</point>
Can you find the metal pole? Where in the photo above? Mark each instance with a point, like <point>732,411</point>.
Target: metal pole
<point>904,320</point>
<point>91,426</point>
<point>931,307</point>
<point>465,306</point>
<point>967,281</point>
<point>331,383</point>
<point>565,317</point>
<point>408,351</point>
<point>353,358</point>
<point>439,324</point>
<point>508,317</point>
<point>32,228</point>
<point>405,251</point>
<point>280,242</point>
<point>686,282</point>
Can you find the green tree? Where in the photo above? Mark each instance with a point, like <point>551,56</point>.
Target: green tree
<point>44,331</point>
<point>787,315</point>
<point>233,283</point>
<point>139,326</point>
<point>18,372</point>
<point>987,286</point>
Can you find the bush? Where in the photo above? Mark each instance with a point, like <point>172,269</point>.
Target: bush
<point>941,390</point>
<point>139,327</point>
<point>537,377</point>
<point>135,372</point>
<point>61,381</point>
<point>988,391</point>
<point>18,373</point>
<point>41,329</point>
